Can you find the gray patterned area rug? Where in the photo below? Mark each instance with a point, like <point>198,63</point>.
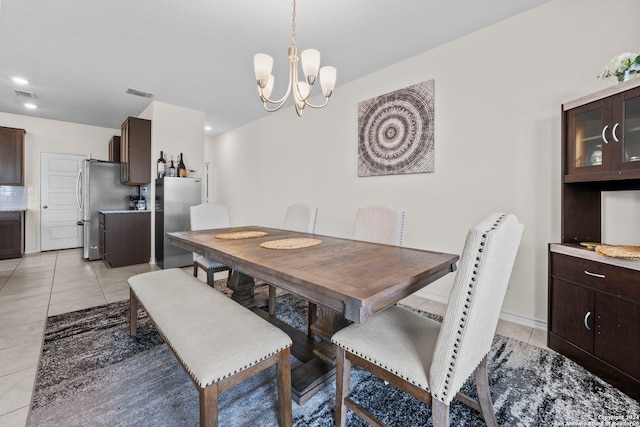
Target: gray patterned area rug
<point>92,373</point>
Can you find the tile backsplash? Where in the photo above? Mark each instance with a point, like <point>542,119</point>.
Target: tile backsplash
<point>13,198</point>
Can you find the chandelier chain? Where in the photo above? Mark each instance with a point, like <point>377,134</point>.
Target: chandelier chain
<point>293,25</point>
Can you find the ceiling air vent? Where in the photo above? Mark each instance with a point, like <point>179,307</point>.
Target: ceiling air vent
<point>25,94</point>
<point>141,93</point>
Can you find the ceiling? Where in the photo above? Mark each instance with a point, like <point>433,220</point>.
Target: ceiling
<point>80,56</point>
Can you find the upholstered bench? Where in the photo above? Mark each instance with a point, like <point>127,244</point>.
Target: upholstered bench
<point>218,342</point>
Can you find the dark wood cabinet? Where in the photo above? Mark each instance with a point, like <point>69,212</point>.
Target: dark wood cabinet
<point>594,315</point>
<point>11,234</point>
<point>594,301</point>
<point>135,151</point>
<point>114,149</point>
<point>11,156</point>
<point>603,136</point>
<point>125,238</point>
<point>570,321</point>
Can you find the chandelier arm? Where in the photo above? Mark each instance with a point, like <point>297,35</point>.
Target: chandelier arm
<point>278,101</point>
<point>292,68</point>
<point>326,101</point>
<point>271,110</point>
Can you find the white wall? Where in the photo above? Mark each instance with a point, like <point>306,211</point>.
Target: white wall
<point>174,130</point>
<point>45,135</point>
<point>497,140</point>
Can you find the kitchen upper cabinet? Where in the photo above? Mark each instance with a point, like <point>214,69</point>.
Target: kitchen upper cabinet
<point>114,149</point>
<point>135,151</point>
<point>602,138</point>
<point>11,156</point>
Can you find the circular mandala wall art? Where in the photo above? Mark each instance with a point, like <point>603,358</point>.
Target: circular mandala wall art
<point>395,132</point>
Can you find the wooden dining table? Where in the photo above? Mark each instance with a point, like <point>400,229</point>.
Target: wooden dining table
<point>345,280</point>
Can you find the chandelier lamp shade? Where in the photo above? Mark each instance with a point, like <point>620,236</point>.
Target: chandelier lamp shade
<point>301,90</point>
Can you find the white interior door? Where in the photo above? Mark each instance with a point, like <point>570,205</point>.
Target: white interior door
<point>59,212</point>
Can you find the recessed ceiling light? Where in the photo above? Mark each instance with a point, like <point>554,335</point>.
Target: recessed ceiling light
<point>20,81</point>
<point>30,106</point>
<point>207,128</point>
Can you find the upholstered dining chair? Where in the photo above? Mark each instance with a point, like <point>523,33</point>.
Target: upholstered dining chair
<point>379,224</point>
<point>203,217</point>
<point>431,360</point>
<point>299,217</point>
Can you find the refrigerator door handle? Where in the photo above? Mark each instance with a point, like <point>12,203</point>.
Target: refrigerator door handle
<point>79,190</point>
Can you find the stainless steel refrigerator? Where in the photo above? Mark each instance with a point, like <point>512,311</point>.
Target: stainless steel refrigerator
<point>98,187</point>
<point>174,197</point>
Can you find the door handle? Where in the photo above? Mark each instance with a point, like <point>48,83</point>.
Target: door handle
<point>599,276</point>
<point>586,319</point>
<point>604,138</point>
<point>79,200</point>
<point>613,132</point>
<point>45,207</point>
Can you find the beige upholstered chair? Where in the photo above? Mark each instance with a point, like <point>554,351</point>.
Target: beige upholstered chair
<point>379,224</point>
<point>429,360</point>
<point>300,217</point>
<point>204,217</point>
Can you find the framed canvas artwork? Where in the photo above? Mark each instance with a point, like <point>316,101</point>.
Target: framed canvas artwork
<point>395,132</point>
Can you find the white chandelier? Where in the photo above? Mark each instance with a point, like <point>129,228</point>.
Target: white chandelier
<point>310,59</point>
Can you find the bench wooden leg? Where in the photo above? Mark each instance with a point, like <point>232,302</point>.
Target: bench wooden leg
<point>283,379</point>
<point>133,313</point>
<point>209,406</point>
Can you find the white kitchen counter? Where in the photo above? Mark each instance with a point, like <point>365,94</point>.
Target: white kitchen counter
<point>121,211</point>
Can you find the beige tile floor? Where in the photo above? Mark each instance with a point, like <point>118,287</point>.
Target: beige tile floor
<point>50,283</point>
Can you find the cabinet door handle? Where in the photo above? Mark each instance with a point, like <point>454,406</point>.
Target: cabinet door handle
<point>604,138</point>
<point>586,318</point>
<point>599,276</point>
<point>613,132</point>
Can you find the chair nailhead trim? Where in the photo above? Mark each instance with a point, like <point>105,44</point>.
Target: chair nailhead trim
<point>375,362</point>
<point>463,320</point>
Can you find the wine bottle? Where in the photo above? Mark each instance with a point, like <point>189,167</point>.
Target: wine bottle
<point>161,166</point>
<point>182,170</point>
<point>166,165</point>
<point>172,168</point>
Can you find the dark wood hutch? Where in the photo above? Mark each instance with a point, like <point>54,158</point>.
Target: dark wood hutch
<point>594,301</point>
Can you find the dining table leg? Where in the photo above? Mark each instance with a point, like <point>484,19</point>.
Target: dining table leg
<point>317,354</point>
<point>326,323</point>
<point>243,288</point>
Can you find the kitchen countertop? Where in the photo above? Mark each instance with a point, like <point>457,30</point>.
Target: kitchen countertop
<point>12,210</point>
<point>121,211</point>
<point>581,252</point>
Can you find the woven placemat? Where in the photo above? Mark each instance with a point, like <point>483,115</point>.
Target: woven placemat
<point>590,245</point>
<point>624,252</point>
<point>241,235</point>
<point>293,243</point>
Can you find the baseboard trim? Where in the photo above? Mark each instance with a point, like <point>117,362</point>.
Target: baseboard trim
<point>504,315</point>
